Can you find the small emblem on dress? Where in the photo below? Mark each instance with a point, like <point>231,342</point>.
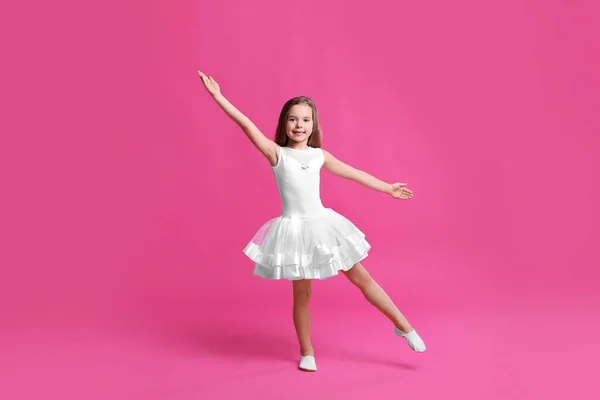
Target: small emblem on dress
<point>305,167</point>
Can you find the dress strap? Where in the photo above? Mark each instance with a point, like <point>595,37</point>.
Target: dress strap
<point>279,157</point>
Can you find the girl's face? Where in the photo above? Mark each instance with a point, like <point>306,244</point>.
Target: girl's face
<point>299,123</point>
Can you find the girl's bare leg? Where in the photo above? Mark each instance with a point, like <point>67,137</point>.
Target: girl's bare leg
<point>359,276</point>
<point>302,292</point>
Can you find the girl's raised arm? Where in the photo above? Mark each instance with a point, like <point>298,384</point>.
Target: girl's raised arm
<point>266,146</point>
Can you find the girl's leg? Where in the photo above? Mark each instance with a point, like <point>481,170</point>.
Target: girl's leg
<point>359,276</point>
<point>302,292</point>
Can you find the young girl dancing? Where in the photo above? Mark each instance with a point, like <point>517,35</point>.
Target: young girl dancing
<point>309,241</point>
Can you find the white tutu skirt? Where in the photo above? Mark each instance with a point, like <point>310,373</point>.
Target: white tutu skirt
<point>311,247</point>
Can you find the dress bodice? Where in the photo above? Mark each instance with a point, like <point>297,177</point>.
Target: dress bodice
<point>297,173</point>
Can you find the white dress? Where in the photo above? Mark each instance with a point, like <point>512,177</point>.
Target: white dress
<point>308,241</point>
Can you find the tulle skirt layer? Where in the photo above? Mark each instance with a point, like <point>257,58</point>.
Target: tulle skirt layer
<point>309,247</point>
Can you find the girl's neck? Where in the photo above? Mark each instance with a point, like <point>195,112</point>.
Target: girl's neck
<point>300,149</point>
<point>299,146</point>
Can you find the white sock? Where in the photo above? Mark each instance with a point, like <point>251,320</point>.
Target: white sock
<point>308,364</point>
<point>413,339</point>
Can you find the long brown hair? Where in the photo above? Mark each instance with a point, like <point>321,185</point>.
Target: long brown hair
<point>281,138</point>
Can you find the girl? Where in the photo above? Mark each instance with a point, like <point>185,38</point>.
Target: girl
<point>309,241</point>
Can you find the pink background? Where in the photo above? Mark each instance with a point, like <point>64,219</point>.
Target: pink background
<point>128,196</point>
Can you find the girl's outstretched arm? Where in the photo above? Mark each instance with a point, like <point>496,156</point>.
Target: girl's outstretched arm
<point>266,146</point>
<point>337,167</point>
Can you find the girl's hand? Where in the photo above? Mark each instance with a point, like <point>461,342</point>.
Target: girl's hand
<point>210,84</point>
<point>399,191</point>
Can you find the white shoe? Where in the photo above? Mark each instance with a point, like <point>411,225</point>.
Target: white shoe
<point>413,339</point>
<point>308,364</point>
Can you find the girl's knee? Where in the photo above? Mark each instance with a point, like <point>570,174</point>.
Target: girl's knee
<point>302,290</point>
<point>359,276</point>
